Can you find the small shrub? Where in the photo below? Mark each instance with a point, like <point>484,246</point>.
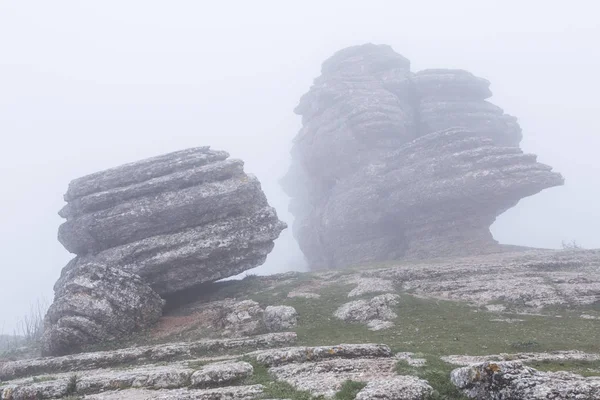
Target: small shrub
<point>349,390</point>
<point>572,245</point>
<point>72,385</point>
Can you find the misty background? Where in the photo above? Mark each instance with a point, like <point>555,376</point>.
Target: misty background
<point>89,85</point>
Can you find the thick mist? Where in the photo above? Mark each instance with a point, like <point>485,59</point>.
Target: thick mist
<point>86,86</point>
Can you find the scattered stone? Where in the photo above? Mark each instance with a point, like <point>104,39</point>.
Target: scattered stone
<point>513,380</point>
<point>280,318</point>
<point>97,303</point>
<point>221,373</point>
<point>370,285</point>
<point>571,355</point>
<point>495,307</point>
<point>288,355</point>
<point>378,308</point>
<point>410,360</point>
<point>391,164</point>
<point>396,388</point>
<point>305,295</point>
<point>378,325</point>
<point>138,355</point>
<point>507,320</point>
<point>587,316</point>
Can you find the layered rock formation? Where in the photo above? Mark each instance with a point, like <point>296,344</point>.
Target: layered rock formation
<point>390,164</point>
<point>96,303</point>
<point>170,222</point>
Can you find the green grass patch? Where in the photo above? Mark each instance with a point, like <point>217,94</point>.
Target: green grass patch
<point>273,389</point>
<point>349,390</point>
<point>580,367</point>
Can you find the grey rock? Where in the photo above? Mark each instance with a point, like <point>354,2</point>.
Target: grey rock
<point>177,220</point>
<point>250,392</point>
<point>138,355</point>
<point>371,285</point>
<point>280,318</point>
<point>376,309</point>
<point>379,324</point>
<point>390,164</point>
<point>221,374</point>
<point>396,388</point>
<point>560,356</point>
<point>288,355</point>
<point>325,377</point>
<point>513,380</point>
<point>97,303</point>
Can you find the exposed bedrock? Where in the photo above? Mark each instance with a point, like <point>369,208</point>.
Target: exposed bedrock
<point>391,164</point>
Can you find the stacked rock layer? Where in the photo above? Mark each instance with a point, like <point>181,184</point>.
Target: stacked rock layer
<point>174,221</point>
<point>392,164</point>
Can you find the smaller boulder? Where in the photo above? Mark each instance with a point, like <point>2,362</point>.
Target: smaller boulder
<point>95,303</point>
<point>376,310</point>
<point>280,318</point>
<point>397,388</point>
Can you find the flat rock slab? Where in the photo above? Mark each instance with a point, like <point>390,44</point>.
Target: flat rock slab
<point>572,355</point>
<point>171,376</point>
<point>289,355</point>
<point>138,355</point>
<point>396,388</point>
<point>225,393</point>
<point>513,380</point>
<point>325,378</point>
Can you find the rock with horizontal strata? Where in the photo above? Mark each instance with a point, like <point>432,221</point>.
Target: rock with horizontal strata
<point>390,164</point>
<point>177,220</point>
<point>97,303</point>
<point>513,380</point>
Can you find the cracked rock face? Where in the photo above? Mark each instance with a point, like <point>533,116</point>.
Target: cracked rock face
<point>177,220</point>
<point>513,380</point>
<point>157,226</point>
<point>97,303</point>
<point>393,164</point>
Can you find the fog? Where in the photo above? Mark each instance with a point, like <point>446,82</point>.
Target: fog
<point>88,85</point>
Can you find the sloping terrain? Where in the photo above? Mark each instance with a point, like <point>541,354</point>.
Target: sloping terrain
<point>442,329</point>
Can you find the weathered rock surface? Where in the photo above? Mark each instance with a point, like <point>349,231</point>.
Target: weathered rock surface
<point>280,318</point>
<point>322,370</point>
<point>391,164</point>
<point>138,355</point>
<point>396,388</point>
<point>97,303</point>
<point>523,281</point>
<point>250,392</point>
<point>377,312</point>
<point>221,373</point>
<point>513,380</point>
<point>561,356</point>
<point>177,220</point>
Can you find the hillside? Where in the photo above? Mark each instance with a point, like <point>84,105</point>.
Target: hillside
<point>400,330</point>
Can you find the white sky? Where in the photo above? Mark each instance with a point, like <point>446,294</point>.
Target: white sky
<point>87,85</point>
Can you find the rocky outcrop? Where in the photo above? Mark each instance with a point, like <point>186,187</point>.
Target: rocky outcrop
<point>165,224</point>
<point>280,318</point>
<point>97,303</point>
<point>177,220</point>
<point>390,164</point>
<point>377,312</point>
<point>513,380</point>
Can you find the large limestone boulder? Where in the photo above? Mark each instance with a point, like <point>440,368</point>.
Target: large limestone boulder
<point>177,220</point>
<point>150,229</point>
<point>391,164</point>
<point>97,303</point>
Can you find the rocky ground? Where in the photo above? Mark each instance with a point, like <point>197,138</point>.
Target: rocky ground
<point>519,325</point>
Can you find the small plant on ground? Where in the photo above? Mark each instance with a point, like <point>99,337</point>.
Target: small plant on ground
<point>72,385</point>
<point>349,390</point>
